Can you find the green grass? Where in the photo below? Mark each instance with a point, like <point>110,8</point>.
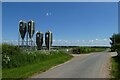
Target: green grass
<point>18,63</point>
<point>115,72</point>
<point>13,56</point>
<point>0,73</point>
<point>28,70</point>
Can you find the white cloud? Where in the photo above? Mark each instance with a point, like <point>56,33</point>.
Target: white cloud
<point>53,40</point>
<point>83,40</point>
<point>60,42</point>
<point>91,41</point>
<point>105,39</point>
<point>94,42</point>
<point>96,39</point>
<point>48,14</point>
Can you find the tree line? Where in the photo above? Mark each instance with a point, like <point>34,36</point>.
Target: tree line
<point>115,43</point>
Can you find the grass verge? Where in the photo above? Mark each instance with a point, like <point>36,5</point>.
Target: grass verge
<point>115,72</point>
<point>29,70</point>
<point>17,63</point>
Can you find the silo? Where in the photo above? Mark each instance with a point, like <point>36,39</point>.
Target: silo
<point>22,30</point>
<point>31,30</point>
<point>39,39</point>
<point>48,39</point>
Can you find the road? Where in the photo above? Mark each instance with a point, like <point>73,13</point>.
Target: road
<point>94,65</point>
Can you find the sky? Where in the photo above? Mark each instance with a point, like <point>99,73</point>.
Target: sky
<point>59,0</point>
<point>0,22</point>
<point>119,17</point>
<point>72,23</point>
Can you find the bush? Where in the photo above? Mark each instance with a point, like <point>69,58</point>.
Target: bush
<point>76,51</point>
<point>84,50</point>
<point>10,50</point>
<point>7,52</point>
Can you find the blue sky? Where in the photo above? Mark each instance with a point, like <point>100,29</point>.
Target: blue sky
<point>81,23</point>
<point>0,22</point>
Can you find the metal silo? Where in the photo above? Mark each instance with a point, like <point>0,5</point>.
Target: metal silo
<point>39,40</point>
<point>22,30</point>
<point>31,30</point>
<point>48,39</point>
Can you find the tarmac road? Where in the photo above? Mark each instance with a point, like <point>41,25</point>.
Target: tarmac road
<point>94,65</point>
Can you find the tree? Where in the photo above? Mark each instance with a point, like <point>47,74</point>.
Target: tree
<point>115,42</point>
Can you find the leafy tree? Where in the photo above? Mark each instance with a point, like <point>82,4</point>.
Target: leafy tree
<point>115,42</point>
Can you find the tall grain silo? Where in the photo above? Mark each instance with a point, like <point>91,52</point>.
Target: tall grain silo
<point>31,30</point>
<point>22,30</point>
<point>39,39</point>
<point>48,39</point>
